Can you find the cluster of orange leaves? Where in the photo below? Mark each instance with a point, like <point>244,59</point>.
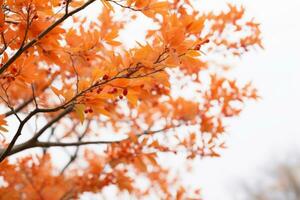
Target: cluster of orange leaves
<point>126,92</point>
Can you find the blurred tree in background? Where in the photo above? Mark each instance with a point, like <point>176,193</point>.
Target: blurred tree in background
<point>281,181</point>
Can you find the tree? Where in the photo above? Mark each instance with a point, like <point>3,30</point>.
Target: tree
<point>68,75</point>
<point>282,181</point>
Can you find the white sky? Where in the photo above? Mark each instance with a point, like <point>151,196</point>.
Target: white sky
<point>267,129</point>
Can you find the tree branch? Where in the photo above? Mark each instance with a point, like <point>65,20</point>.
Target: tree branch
<point>34,143</point>
<point>18,109</point>
<point>27,102</point>
<point>68,144</point>
<point>30,143</point>
<point>42,34</point>
<point>75,154</point>
<point>49,124</point>
<point>18,133</point>
<point>127,7</point>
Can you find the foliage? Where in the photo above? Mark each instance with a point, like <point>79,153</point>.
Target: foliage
<point>73,79</point>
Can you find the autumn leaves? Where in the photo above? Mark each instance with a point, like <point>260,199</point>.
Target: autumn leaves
<point>83,73</point>
<point>90,69</point>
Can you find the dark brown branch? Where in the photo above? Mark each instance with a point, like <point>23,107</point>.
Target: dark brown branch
<point>49,138</point>
<point>80,143</point>
<point>9,106</point>
<point>26,103</point>
<point>67,6</point>
<point>34,143</point>
<point>18,133</point>
<point>124,6</point>
<point>33,96</point>
<point>49,124</point>
<point>75,154</point>
<point>70,144</point>
<point>18,109</point>
<point>10,150</point>
<point>42,35</point>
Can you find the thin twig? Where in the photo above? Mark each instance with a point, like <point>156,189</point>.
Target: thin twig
<point>74,156</point>
<point>42,35</point>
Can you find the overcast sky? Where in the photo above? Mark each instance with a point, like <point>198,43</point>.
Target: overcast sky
<point>267,130</point>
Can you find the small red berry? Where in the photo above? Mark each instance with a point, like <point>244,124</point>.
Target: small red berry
<point>125,92</point>
<point>14,70</point>
<point>99,90</point>
<point>105,77</point>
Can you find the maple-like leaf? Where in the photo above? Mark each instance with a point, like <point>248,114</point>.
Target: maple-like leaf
<point>68,79</point>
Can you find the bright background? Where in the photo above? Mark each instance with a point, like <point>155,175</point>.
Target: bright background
<point>267,130</point>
